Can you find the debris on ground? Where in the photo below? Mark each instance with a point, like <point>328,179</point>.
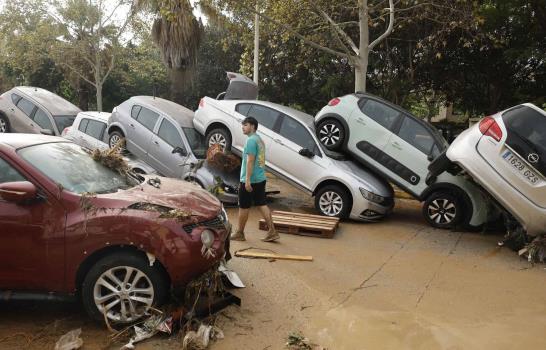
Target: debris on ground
<point>232,277</point>
<point>219,159</point>
<point>156,322</point>
<point>70,341</point>
<point>155,182</point>
<point>245,253</point>
<point>535,250</point>
<point>198,340</point>
<point>296,341</point>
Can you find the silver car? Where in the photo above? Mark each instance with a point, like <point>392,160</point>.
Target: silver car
<point>89,131</point>
<point>161,133</point>
<point>506,154</point>
<point>35,110</point>
<point>341,188</point>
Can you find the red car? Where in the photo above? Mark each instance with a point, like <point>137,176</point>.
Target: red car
<point>72,226</point>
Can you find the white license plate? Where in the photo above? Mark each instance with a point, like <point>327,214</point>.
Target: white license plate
<point>520,166</point>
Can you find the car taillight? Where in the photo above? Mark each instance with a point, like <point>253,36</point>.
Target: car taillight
<point>334,102</point>
<point>202,102</point>
<point>489,127</point>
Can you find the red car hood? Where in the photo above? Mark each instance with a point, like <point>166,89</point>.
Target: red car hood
<point>172,193</point>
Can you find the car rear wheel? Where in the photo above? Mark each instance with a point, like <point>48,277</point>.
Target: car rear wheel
<point>123,287</point>
<point>4,124</point>
<point>115,138</point>
<point>443,210</point>
<point>333,200</point>
<point>331,134</point>
<point>219,136</point>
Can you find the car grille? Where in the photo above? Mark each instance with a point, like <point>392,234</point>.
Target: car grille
<point>215,223</point>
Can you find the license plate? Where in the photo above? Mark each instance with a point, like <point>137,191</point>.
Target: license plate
<point>520,166</point>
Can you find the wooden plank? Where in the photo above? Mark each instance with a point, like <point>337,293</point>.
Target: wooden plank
<point>305,221</point>
<point>302,231</point>
<point>300,224</point>
<point>320,217</point>
<point>249,254</point>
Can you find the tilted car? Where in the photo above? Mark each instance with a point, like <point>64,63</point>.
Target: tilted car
<point>341,188</point>
<point>506,154</point>
<point>89,131</point>
<point>33,110</point>
<point>71,226</point>
<point>161,133</point>
<point>399,146</point>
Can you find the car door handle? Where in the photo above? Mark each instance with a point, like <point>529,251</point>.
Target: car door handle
<point>396,145</point>
<point>279,142</point>
<point>361,121</point>
<point>132,125</point>
<point>157,143</point>
<point>11,109</point>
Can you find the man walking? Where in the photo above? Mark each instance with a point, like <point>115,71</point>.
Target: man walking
<point>252,187</point>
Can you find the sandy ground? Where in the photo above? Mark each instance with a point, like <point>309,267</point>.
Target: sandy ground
<point>397,284</point>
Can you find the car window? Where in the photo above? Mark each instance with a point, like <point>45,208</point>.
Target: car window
<point>15,98</point>
<point>417,135</point>
<point>243,108</point>
<point>381,113</point>
<point>83,125</point>
<point>265,116</point>
<point>134,111</point>
<point>95,129</point>
<point>26,106</point>
<point>8,173</point>
<point>297,133</point>
<point>63,121</point>
<point>147,118</point>
<point>168,133</point>
<point>41,118</point>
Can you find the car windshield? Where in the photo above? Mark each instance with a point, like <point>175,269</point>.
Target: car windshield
<point>197,143</point>
<point>63,121</point>
<point>71,167</point>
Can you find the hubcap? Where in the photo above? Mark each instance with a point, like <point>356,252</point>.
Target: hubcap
<point>331,203</point>
<point>217,139</point>
<point>442,211</point>
<point>123,293</point>
<point>114,140</point>
<point>3,125</point>
<point>329,134</point>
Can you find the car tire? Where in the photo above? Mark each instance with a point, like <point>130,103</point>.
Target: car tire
<point>114,138</point>
<point>334,201</point>
<point>331,134</point>
<point>443,210</point>
<point>4,124</point>
<point>98,284</point>
<point>219,136</point>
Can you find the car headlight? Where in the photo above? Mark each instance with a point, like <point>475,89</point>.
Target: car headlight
<point>372,197</point>
<point>223,216</point>
<point>207,238</point>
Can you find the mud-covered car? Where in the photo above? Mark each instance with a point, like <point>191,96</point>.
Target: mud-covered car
<point>71,226</point>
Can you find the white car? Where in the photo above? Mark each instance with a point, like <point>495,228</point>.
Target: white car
<point>341,188</point>
<point>399,147</point>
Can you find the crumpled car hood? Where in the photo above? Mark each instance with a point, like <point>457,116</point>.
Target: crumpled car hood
<point>172,193</point>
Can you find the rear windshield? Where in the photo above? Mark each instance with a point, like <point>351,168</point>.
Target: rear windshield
<point>528,124</point>
<point>63,121</point>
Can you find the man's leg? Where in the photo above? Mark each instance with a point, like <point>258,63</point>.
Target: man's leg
<point>245,201</point>
<point>272,234</point>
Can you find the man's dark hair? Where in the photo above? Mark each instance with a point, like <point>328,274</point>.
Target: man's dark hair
<point>251,121</point>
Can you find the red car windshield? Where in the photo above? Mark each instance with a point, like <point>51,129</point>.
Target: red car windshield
<point>69,166</point>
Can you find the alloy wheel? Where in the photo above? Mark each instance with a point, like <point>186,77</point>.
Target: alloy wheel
<point>331,203</point>
<point>217,139</point>
<point>329,134</point>
<point>123,293</point>
<point>114,140</point>
<point>442,211</point>
<point>3,126</point>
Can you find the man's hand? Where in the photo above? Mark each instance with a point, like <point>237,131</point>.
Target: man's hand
<point>248,186</point>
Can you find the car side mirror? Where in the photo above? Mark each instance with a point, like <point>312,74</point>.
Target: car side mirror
<point>306,153</point>
<point>180,151</point>
<point>18,192</point>
<point>430,157</point>
<point>47,132</point>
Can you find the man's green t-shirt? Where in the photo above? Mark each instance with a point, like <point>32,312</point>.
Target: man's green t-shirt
<point>255,146</point>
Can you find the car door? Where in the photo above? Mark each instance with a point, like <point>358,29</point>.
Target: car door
<point>411,147</point>
<point>140,130</point>
<point>267,120</point>
<point>292,137</point>
<point>371,126</point>
<point>31,240</point>
<point>43,121</point>
<point>23,116</point>
<point>160,153</point>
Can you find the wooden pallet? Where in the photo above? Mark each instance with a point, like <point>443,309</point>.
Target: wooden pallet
<point>303,224</point>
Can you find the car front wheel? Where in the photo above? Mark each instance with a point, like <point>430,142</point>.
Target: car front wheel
<point>4,124</point>
<point>331,134</point>
<point>333,200</point>
<point>443,210</point>
<point>122,287</point>
<point>219,136</point>
<point>115,138</point>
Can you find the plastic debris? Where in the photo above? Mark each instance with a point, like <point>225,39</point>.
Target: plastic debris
<point>70,341</point>
<point>231,275</point>
<point>200,340</point>
<point>149,328</point>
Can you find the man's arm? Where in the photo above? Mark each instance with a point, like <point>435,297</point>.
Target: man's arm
<point>250,158</point>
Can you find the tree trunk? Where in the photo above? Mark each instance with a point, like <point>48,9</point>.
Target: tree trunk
<point>99,97</point>
<point>361,61</point>
<point>181,80</point>
<point>361,69</point>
